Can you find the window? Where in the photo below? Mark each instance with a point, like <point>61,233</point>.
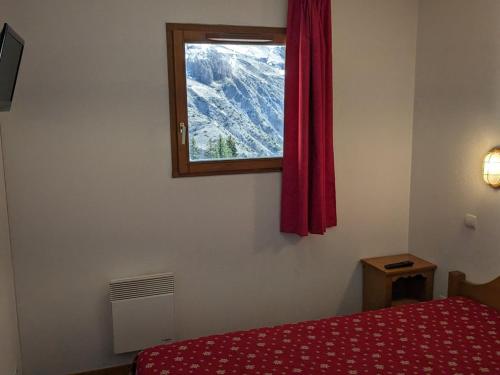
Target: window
<point>226,88</point>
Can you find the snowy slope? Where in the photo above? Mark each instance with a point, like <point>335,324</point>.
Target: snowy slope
<point>235,91</point>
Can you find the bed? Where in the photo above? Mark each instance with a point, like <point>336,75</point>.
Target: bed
<point>456,335</point>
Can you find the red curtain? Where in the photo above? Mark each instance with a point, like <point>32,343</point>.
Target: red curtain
<point>308,183</point>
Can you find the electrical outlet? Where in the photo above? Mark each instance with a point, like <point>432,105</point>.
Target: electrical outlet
<point>470,221</point>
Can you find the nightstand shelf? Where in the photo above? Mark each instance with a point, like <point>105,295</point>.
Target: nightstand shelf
<point>398,286</point>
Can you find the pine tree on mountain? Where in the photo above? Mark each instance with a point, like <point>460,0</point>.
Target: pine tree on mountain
<point>212,149</point>
<point>194,150</point>
<point>231,146</point>
<point>222,151</point>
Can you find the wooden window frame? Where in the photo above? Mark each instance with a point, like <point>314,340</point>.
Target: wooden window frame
<point>177,36</point>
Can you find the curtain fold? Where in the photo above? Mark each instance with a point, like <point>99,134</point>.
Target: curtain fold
<point>308,202</point>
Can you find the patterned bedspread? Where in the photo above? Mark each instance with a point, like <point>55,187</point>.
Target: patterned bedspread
<point>451,336</point>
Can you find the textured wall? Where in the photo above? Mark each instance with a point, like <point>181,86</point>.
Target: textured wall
<point>91,197</point>
<point>457,115</point>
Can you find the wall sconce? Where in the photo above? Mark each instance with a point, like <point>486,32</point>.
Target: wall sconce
<point>491,168</point>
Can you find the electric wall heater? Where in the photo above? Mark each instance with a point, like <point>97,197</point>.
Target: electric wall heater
<point>143,311</point>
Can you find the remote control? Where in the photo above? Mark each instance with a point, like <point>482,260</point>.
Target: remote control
<point>404,263</point>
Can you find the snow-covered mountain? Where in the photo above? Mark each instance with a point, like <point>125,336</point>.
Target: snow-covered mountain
<point>235,100</point>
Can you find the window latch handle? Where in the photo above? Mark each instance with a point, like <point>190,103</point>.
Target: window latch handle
<point>182,129</point>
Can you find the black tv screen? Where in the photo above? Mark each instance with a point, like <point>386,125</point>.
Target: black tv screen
<point>11,51</point>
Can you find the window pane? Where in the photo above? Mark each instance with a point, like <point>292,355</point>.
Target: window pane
<point>235,99</point>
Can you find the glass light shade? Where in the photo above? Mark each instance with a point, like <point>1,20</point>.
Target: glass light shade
<point>491,168</point>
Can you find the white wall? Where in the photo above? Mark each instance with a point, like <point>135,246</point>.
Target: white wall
<point>457,120</point>
<point>91,197</point>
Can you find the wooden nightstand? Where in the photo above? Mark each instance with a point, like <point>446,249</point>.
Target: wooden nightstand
<point>385,288</point>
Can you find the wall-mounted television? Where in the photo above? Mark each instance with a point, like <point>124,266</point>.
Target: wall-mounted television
<point>11,51</point>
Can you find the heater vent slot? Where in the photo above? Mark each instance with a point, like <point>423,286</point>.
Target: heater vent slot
<point>142,286</point>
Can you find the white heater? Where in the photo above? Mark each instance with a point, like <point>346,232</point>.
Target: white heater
<point>143,311</point>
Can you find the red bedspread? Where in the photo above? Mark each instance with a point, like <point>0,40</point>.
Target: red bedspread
<point>451,336</point>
